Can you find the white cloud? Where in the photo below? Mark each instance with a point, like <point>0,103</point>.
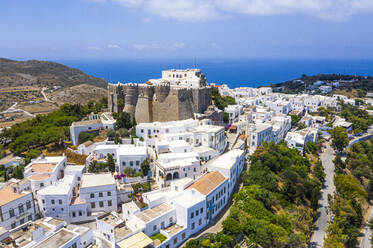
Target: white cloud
<point>337,10</point>
<point>114,46</point>
<point>140,46</point>
<point>179,45</point>
<point>190,10</point>
<point>201,10</point>
<point>93,48</point>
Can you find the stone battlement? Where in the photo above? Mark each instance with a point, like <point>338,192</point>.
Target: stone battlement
<point>162,102</point>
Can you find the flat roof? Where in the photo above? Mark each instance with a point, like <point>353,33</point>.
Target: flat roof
<point>207,128</point>
<point>189,198</point>
<point>152,213</point>
<point>139,240</point>
<point>208,182</point>
<point>58,239</point>
<point>131,206</point>
<point>93,180</point>
<point>43,167</point>
<point>61,188</point>
<point>132,150</point>
<point>87,122</point>
<point>227,160</point>
<point>8,195</point>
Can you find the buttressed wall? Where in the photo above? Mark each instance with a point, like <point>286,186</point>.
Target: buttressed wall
<point>148,103</point>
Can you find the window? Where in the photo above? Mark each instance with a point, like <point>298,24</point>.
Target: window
<point>60,202</point>
<point>162,225</point>
<point>22,221</point>
<point>92,195</point>
<point>186,174</point>
<point>192,215</point>
<point>193,226</point>
<point>30,217</point>
<point>101,204</point>
<point>11,212</point>
<point>200,222</point>
<point>100,194</point>
<point>43,201</point>
<point>201,210</point>
<point>171,220</point>
<point>194,169</point>
<point>183,236</point>
<point>197,213</point>
<point>124,163</point>
<point>80,213</point>
<point>74,215</point>
<point>28,204</point>
<point>137,162</point>
<point>175,240</point>
<point>61,209</point>
<point>154,227</point>
<point>109,203</point>
<point>20,208</point>
<point>74,245</point>
<point>131,163</point>
<point>13,225</point>
<point>41,184</point>
<point>108,193</point>
<point>93,205</point>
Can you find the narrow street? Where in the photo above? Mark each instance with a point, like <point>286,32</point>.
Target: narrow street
<point>367,235</point>
<point>327,157</point>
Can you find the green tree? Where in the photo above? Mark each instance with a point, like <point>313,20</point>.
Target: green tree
<point>124,133</point>
<point>110,134</point>
<point>145,167</point>
<point>123,119</point>
<point>31,154</point>
<point>85,136</point>
<point>225,117</point>
<point>117,139</point>
<point>110,162</point>
<point>339,138</point>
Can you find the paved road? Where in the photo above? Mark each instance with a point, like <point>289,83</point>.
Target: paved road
<point>327,157</point>
<point>365,240</point>
<point>367,234</point>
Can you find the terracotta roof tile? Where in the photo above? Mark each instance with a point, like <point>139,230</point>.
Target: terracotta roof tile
<point>8,195</point>
<point>208,182</point>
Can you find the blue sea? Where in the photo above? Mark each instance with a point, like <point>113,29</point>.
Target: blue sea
<point>234,72</point>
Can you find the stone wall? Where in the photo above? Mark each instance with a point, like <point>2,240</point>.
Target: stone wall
<point>158,103</point>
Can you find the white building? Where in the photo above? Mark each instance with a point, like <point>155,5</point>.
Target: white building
<point>99,192</point>
<point>95,123</point>
<point>325,89</point>
<point>16,204</point>
<point>298,139</point>
<point>259,133</point>
<point>44,171</point>
<point>230,165</point>
<point>190,78</point>
<point>234,111</point>
<point>172,166</point>
<point>124,155</point>
<point>54,200</point>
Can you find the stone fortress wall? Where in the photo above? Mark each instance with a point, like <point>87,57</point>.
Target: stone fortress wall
<point>163,102</point>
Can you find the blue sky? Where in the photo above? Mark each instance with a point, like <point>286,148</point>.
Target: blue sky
<point>117,29</point>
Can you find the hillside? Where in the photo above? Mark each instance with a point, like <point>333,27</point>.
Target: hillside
<point>39,87</point>
<point>352,86</point>
<point>43,73</point>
